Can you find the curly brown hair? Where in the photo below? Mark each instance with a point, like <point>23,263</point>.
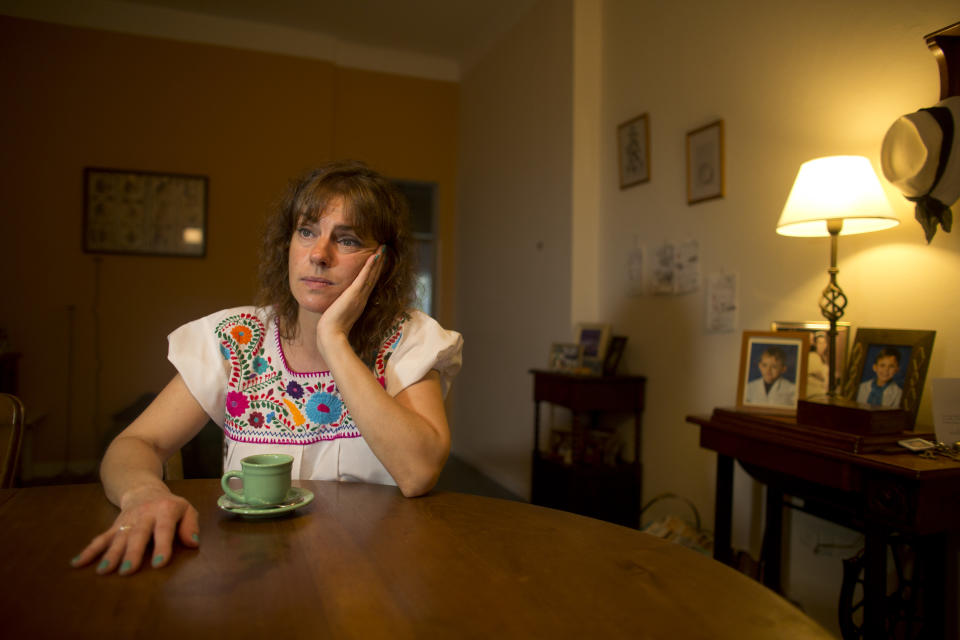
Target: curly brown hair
<point>377,209</point>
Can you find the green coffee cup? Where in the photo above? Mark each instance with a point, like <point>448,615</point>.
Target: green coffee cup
<point>266,480</point>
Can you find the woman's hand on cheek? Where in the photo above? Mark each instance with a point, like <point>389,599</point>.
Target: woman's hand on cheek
<point>340,316</point>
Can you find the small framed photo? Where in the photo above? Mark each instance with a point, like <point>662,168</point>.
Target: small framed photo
<point>818,358</point>
<point>888,367</point>
<point>144,213</point>
<point>611,362</point>
<point>565,356</point>
<point>594,337</point>
<point>633,144</point>
<point>705,172</point>
<point>773,370</point>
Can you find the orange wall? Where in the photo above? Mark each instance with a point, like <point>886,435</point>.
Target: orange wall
<point>249,121</point>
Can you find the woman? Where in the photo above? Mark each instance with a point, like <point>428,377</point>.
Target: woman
<point>333,329</point>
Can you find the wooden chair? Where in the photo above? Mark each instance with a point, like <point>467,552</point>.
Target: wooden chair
<point>11,435</point>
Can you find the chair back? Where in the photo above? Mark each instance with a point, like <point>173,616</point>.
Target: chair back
<point>11,435</point>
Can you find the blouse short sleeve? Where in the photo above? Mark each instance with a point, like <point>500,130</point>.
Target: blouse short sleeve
<point>194,350</point>
<point>422,346</point>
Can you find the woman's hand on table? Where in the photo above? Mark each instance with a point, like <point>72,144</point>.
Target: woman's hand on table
<point>145,514</point>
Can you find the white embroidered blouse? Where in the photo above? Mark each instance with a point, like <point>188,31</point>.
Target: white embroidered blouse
<point>233,364</point>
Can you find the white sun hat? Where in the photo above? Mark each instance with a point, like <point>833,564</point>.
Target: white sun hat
<point>921,157</point>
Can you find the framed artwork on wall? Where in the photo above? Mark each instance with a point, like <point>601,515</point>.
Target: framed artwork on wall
<point>144,213</point>
<point>633,144</point>
<point>773,370</point>
<point>705,170</point>
<point>888,367</point>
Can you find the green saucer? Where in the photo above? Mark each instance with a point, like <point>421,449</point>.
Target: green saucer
<point>296,498</point>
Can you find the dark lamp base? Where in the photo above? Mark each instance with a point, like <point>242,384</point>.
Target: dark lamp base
<point>849,416</point>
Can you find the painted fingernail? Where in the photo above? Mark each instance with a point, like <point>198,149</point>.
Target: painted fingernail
<point>75,561</point>
<point>125,567</point>
<point>158,560</point>
<point>196,538</point>
<point>103,566</point>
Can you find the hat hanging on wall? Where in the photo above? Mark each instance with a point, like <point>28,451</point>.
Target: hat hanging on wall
<point>921,157</point>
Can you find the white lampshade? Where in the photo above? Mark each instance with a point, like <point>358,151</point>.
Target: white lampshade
<point>836,188</point>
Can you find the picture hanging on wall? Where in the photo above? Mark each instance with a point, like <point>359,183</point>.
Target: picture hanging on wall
<point>705,171</point>
<point>633,142</point>
<point>144,213</point>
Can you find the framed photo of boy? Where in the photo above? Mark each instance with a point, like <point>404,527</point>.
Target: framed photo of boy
<point>594,337</point>
<point>705,172</point>
<point>773,370</point>
<point>818,358</point>
<point>888,367</point>
<point>633,145</point>
<point>565,356</point>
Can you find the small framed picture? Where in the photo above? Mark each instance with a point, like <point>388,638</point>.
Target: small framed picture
<point>633,143</point>
<point>773,370</point>
<point>705,172</point>
<point>611,362</point>
<point>565,356</point>
<point>144,213</point>
<point>818,358</point>
<point>888,367</point>
<point>594,337</point>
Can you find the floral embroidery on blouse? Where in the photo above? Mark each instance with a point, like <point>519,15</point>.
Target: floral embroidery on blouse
<point>268,403</point>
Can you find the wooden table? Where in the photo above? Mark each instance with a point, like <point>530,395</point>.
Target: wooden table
<point>361,561</point>
<point>862,482</point>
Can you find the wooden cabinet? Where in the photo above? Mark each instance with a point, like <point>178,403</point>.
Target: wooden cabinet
<point>585,481</point>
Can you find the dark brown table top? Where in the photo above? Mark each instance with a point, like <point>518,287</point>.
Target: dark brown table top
<point>785,433</point>
<point>362,561</point>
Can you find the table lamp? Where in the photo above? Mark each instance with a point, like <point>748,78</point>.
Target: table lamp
<point>834,196</point>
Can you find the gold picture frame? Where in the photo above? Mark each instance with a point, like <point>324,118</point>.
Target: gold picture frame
<point>773,370</point>
<point>594,337</point>
<point>913,349</point>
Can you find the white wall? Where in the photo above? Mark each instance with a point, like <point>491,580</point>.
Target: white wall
<point>513,237</point>
<point>792,81</point>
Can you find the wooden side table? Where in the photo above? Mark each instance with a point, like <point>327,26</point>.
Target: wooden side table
<point>861,482</point>
<point>586,484</point>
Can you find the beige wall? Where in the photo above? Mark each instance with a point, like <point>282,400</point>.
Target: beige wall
<point>792,82</point>
<point>513,236</point>
<point>249,121</point>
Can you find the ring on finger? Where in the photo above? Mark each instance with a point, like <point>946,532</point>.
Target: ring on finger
<point>125,527</point>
